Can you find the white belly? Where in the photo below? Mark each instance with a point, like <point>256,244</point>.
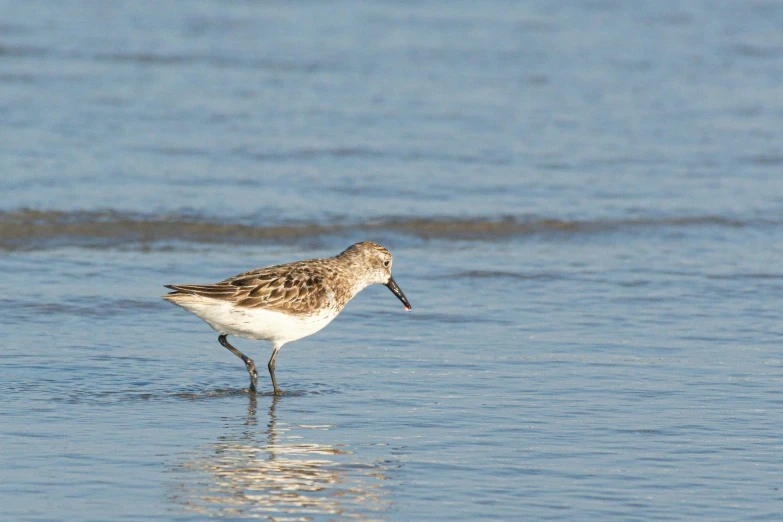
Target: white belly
<point>256,323</point>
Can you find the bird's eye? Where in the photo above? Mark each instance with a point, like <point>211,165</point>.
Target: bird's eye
<point>386,263</point>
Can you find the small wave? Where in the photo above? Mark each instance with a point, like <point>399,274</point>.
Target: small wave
<point>308,153</point>
<point>500,274</point>
<point>22,51</point>
<point>161,59</point>
<point>32,229</point>
<point>751,50</point>
<point>155,392</point>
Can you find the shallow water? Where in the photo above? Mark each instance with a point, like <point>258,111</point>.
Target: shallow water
<point>584,205</point>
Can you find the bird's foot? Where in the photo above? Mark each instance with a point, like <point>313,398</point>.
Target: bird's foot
<point>251,369</point>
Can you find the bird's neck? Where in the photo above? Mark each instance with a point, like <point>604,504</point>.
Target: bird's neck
<point>360,279</point>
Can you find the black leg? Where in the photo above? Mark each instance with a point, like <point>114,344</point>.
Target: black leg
<point>271,367</point>
<point>251,366</point>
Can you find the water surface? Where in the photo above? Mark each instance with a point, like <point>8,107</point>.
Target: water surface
<point>584,205</point>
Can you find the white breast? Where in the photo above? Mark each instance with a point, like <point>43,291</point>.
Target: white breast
<point>257,323</point>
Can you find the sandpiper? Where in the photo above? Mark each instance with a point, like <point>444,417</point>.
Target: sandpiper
<point>283,303</point>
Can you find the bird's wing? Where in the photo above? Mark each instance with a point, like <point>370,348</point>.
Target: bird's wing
<point>292,288</point>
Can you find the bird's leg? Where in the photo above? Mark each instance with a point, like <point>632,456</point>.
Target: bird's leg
<point>251,366</point>
<point>271,367</point>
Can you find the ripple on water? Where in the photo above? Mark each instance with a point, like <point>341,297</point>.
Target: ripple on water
<point>85,394</point>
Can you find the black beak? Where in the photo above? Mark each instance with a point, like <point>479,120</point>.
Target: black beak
<point>392,285</point>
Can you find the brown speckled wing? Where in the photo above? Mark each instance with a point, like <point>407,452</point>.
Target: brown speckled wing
<point>296,288</point>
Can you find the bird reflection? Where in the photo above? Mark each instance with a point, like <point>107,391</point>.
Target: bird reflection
<point>274,474</point>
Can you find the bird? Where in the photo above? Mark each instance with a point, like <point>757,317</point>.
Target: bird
<point>284,303</point>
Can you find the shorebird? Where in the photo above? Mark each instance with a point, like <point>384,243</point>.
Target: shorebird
<point>284,303</point>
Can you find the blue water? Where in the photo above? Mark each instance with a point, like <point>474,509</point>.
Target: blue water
<point>585,205</point>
